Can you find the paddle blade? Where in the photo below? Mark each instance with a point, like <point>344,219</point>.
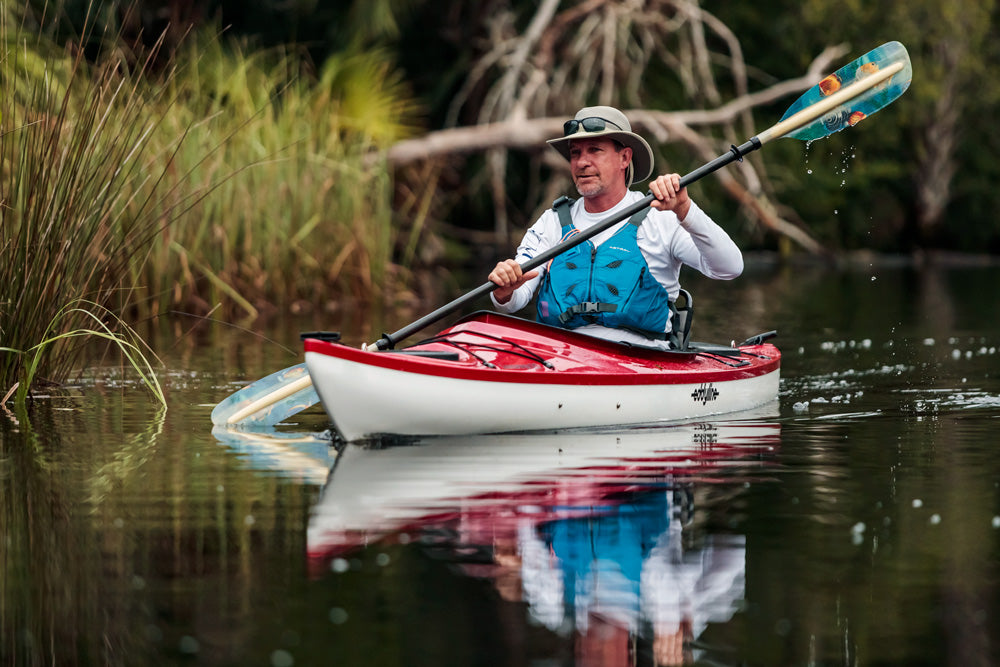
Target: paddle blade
<point>856,109</point>
<point>269,400</point>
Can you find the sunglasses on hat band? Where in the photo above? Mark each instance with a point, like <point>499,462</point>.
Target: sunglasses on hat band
<point>592,124</point>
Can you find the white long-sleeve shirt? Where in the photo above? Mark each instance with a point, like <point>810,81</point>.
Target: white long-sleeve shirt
<point>666,244</point>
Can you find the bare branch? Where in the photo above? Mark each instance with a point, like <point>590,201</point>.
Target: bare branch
<point>525,83</point>
<point>531,134</point>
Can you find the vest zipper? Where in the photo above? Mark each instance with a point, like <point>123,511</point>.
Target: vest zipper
<point>590,280</point>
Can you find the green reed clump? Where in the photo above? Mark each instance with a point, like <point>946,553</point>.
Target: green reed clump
<point>219,176</point>
<point>81,198</point>
<point>300,206</point>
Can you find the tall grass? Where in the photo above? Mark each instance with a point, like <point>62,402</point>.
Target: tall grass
<point>300,213</point>
<point>79,199</point>
<point>221,179</point>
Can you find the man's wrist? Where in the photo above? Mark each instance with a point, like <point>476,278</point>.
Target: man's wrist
<point>682,211</point>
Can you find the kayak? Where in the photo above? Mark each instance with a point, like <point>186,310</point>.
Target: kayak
<point>495,373</point>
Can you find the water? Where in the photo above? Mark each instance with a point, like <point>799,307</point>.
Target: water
<point>857,521</point>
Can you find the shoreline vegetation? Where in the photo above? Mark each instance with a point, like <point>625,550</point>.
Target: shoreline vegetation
<point>215,179</point>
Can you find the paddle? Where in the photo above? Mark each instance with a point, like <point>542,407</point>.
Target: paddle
<point>269,400</point>
<point>841,100</point>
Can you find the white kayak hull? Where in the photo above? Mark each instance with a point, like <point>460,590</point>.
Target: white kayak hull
<point>365,400</point>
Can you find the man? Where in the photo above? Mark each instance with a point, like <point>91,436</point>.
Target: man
<point>619,284</point>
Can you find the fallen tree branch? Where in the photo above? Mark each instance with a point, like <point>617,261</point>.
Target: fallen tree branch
<point>522,134</point>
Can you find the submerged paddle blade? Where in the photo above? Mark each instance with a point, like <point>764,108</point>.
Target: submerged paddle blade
<point>268,401</point>
<point>856,109</point>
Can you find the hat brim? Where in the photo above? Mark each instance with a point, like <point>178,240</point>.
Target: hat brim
<point>642,154</point>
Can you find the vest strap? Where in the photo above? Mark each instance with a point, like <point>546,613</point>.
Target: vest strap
<point>561,206</point>
<point>638,217</point>
<point>587,308</point>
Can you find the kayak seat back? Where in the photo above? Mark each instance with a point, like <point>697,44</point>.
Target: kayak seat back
<point>682,312</point>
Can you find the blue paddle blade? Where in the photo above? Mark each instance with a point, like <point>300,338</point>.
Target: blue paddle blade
<point>860,107</point>
<point>273,412</point>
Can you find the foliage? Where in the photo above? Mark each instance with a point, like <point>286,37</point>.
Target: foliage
<point>923,157</point>
<point>142,181</point>
<point>133,349</point>
<point>79,200</point>
<point>296,211</point>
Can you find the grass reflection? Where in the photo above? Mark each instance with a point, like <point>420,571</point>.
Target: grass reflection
<point>110,511</point>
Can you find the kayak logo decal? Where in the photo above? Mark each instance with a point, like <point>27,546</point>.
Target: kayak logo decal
<point>705,393</point>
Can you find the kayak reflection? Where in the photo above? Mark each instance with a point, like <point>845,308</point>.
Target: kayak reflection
<point>593,530</point>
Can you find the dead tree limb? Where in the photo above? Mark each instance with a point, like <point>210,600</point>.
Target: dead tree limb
<point>526,80</point>
<point>530,134</point>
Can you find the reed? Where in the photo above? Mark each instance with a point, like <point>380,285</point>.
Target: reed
<point>79,200</point>
<point>221,180</point>
<point>298,211</point>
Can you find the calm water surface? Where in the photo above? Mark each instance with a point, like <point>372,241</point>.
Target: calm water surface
<point>856,521</point>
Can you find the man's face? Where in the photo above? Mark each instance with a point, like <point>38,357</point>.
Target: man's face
<point>598,165</point>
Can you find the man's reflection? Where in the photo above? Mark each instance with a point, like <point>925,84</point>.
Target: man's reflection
<point>617,574</point>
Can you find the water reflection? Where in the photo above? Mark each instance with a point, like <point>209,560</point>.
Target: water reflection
<point>596,532</point>
<point>58,600</point>
<point>302,457</point>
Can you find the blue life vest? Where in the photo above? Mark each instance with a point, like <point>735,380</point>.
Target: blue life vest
<point>609,284</point>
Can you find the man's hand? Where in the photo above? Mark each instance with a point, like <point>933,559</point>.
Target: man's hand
<point>507,274</point>
<point>670,196</point>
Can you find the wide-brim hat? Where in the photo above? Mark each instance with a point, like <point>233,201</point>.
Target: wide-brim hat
<point>617,127</point>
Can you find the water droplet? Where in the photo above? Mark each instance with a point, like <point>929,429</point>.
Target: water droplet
<point>153,633</point>
<point>189,645</point>
<point>917,502</point>
<point>282,658</point>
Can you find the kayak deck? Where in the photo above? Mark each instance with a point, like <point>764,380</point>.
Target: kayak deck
<point>501,348</point>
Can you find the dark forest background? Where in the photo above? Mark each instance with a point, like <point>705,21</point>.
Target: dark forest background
<point>920,176</point>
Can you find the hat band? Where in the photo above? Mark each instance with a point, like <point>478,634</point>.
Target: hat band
<point>591,124</point>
